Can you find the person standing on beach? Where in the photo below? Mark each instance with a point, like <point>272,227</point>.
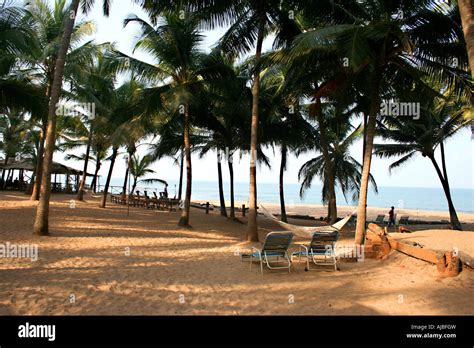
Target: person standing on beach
<point>391,217</point>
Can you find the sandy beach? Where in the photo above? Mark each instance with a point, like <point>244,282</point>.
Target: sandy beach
<point>99,261</point>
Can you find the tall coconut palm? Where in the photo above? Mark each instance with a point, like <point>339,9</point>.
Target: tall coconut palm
<point>282,122</point>
<point>121,119</point>
<point>41,225</point>
<point>439,120</point>
<point>182,71</point>
<point>348,170</point>
<point>250,21</point>
<point>386,43</point>
<point>46,23</point>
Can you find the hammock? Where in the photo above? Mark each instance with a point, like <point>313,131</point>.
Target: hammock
<point>307,231</point>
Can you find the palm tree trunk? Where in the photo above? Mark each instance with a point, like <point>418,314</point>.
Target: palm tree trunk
<point>109,177</point>
<point>181,171</point>
<point>364,137</point>
<point>131,151</point>
<point>231,175</point>
<point>252,228</point>
<point>223,209</point>
<point>124,188</point>
<point>96,173</point>
<point>184,220</point>
<point>80,192</point>
<point>369,145</point>
<point>39,166</point>
<point>455,224</point>
<point>134,186</point>
<point>282,171</point>
<point>467,19</point>
<point>42,213</point>
<point>328,164</point>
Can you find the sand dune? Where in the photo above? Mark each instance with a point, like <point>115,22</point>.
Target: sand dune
<point>102,262</point>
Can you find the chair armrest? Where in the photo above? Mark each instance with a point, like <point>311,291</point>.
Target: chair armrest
<point>304,247</point>
<point>257,250</point>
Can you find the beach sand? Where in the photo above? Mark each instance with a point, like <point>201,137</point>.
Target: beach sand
<point>99,261</point>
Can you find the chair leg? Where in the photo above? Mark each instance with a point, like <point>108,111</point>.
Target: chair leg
<point>289,261</point>
<point>261,264</point>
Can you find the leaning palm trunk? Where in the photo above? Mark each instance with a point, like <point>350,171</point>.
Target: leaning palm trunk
<point>223,209</point>
<point>455,224</point>
<point>328,164</point>
<point>467,19</point>
<point>231,175</point>
<point>42,213</point>
<point>80,192</point>
<point>96,175</point>
<point>282,193</point>
<point>252,228</point>
<point>184,220</point>
<point>109,177</point>
<point>369,145</point>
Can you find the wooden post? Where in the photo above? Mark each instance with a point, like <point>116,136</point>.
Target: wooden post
<point>243,210</point>
<point>207,207</point>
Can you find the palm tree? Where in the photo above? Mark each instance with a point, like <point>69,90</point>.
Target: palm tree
<point>250,21</point>
<point>348,170</point>
<point>140,167</point>
<point>183,71</point>
<point>13,131</point>
<point>386,44</point>
<point>439,120</point>
<point>93,84</point>
<point>46,24</point>
<point>41,226</point>
<point>282,121</point>
<point>122,124</point>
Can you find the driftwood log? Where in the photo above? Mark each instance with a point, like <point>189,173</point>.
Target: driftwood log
<point>379,244</point>
<point>376,245</point>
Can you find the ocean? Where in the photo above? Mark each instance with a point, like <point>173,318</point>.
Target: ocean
<point>400,197</point>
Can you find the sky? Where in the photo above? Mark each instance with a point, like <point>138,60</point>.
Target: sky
<point>419,172</point>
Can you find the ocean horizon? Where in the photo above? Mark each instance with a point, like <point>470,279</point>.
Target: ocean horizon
<point>421,198</point>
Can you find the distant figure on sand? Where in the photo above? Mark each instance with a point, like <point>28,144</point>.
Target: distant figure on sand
<point>391,217</point>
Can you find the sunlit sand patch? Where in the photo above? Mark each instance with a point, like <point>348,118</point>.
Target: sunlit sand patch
<point>145,264</point>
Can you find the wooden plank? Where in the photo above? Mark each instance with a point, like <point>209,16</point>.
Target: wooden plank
<point>415,251</point>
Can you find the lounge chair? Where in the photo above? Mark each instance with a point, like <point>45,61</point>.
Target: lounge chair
<point>322,244</point>
<point>352,221</point>
<point>275,246</point>
<point>403,220</point>
<point>380,218</point>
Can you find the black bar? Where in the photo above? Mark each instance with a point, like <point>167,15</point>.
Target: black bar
<point>329,330</point>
